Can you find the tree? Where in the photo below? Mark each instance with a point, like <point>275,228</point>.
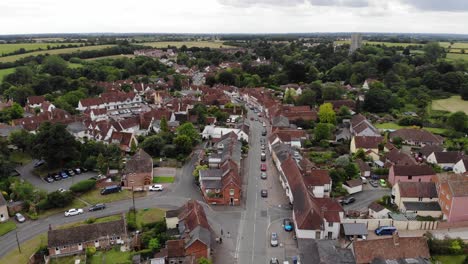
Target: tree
<point>360,154</point>
<point>55,145</point>
<point>16,111</point>
<point>378,101</point>
<point>204,261</point>
<point>344,111</point>
<point>458,121</point>
<point>163,125</point>
<point>433,51</point>
<point>190,131</point>
<point>154,244</point>
<point>327,114</point>
<point>289,96</point>
<point>102,164</point>
<point>183,144</point>
<point>19,94</point>
<point>22,75</point>
<point>54,65</point>
<point>332,92</point>
<point>226,77</point>
<point>322,131</point>
<point>153,145</point>
<point>342,161</point>
<point>352,170</point>
<point>22,139</point>
<point>307,98</point>
<point>464,91</point>
<point>196,171</point>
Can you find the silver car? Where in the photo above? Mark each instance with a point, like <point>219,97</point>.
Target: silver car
<point>274,239</point>
<point>20,218</point>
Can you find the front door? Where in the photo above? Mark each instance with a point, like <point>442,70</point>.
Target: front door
<point>330,235</point>
<point>231,201</point>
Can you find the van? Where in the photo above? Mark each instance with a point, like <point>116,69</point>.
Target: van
<point>111,189</point>
<point>385,230</point>
<point>264,132</point>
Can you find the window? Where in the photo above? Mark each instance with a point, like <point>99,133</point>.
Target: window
<point>118,237</point>
<point>231,192</point>
<point>420,199</point>
<point>330,224</point>
<point>410,177</point>
<point>64,247</point>
<point>57,249</point>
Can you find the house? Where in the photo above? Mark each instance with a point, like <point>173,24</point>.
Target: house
<point>125,140</point>
<point>354,231</point>
<point>360,126</point>
<point>364,168</point>
<point>410,173</point>
<point>291,137</point>
<point>461,166</point>
<point>318,182</point>
<point>367,83</point>
<point>418,197</point>
<point>337,104</point>
<point>138,171</point>
<point>313,251</point>
<point>214,132</point>
<point>33,102</point>
<point>3,209</point>
<point>353,186</point>
<point>416,137</point>
<point>279,122</point>
<point>75,240</point>
<point>191,224</point>
<point>397,157</point>
<point>369,144</point>
<point>452,190</point>
<point>377,211</point>
<point>427,150</point>
<point>394,249</point>
<point>444,159</point>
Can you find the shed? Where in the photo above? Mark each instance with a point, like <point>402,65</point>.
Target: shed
<point>353,186</point>
<point>355,230</point>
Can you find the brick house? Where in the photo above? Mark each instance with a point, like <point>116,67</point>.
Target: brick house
<point>417,197</point>
<point>444,159</point>
<point>75,240</point>
<point>452,190</point>
<point>138,171</point>
<point>3,209</point>
<point>410,173</point>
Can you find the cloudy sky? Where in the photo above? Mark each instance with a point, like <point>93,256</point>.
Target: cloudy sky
<point>233,16</point>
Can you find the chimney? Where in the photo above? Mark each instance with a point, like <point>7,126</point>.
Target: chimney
<point>396,239</point>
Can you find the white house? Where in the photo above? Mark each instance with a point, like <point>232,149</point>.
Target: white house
<point>461,166</point>
<point>217,132</point>
<point>353,186</point>
<point>444,159</point>
<point>377,211</point>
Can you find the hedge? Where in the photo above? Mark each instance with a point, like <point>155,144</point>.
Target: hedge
<point>83,186</point>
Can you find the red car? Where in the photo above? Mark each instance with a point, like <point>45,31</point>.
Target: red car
<point>263,167</point>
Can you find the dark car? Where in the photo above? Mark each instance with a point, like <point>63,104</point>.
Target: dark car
<point>49,179</point>
<point>97,207</point>
<point>57,177</point>
<point>348,200</point>
<point>264,193</point>
<point>83,169</point>
<point>64,175</point>
<point>287,225</point>
<point>39,163</point>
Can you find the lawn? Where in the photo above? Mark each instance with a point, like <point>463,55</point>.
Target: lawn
<point>68,259</point>
<point>396,126</point>
<point>9,48</point>
<point>457,259</point>
<point>52,52</point>
<point>5,72</point>
<point>94,196</point>
<point>20,157</point>
<point>7,227</point>
<point>148,215</point>
<point>27,248</point>
<point>74,65</point>
<point>163,179</point>
<point>113,256</point>
<point>189,44</point>
<point>75,204</point>
<point>97,220</point>
<point>452,104</point>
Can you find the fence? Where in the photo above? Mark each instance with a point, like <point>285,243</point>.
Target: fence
<point>373,224</point>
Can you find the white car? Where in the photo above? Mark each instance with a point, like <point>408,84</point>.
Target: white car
<point>62,190</point>
<point>73,212</point>
<point>156,187</point>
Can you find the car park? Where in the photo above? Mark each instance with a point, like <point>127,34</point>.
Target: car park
<point>97,207</point>
<point>57,177</point>
<point>73,212</point>
<point>49,178</point>
<point>287,225</point>
<point>263,176</point>
<point>348,200</point>
<point>264,193</point>
<point>274,239</point>
<point>263,167</point>
<point>156,187</point>
<point>20,218</point>
<point>383,183</point>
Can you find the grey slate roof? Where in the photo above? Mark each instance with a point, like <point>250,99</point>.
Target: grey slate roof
<point>280,121</point>
<point>323,252</point>
<point>358,229</point>
<point>282,151</point>
<point>76,127</point>
<point>422,206</point>
<point>199,233</point>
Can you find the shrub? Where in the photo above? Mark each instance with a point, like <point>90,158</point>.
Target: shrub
<point>83,186</point>
<point>446,246</point>
<point>90,220</point>
<point>90,251</point>
<point>410,121</point>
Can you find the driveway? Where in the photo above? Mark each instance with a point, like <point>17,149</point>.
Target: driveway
<point>366,197</point>
<point>26,174</point>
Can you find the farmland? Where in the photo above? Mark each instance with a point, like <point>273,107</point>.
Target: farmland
<point>112,57</point>
<point>452,104</point>
<point>189,44</point>
<point>52,52</point>
<point>9,48</point>
<point>5,72</point>
<point>388,44</point>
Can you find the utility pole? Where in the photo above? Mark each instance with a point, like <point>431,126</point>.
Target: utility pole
<point>17,241</point>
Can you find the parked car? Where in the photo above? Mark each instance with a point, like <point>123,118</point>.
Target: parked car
<point>264,132</point>
<point>20,218</point>
<point>62,190</point>
<point>348,200</point>
<point>263,146</point>
<point>97,207</point>
<point>71,172</point>
<point>111,189</point>
<point>73,212</point>
<point>364,180</point>
<point>49,179</point>
<point>263,176</point>
<point>156,187</point>
<point>374,184</point>
<point>57,177</point>
<point>64,175</point>
<point>383,183</point>
<point>263,156</point>
<point>274,239</point>
<point>264,193</point>
<point>263,167</point>
<point>274,261</point>
<point>39,163</point>
<point>77,171</point>
<point>83,169</point>
<point>385,230</point>
<point>287,225</point>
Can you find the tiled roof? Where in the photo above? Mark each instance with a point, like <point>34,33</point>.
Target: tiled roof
<point>365,251</point>
<point>376,207</point>
<point>413,170</point>
<point>417,189</point>
<point>354,183</point>
<point>458,188</point>
<point>193,215</point>
<point>365,142</point>
<point>422,206</point>
<point>396,156</point>
<point>175,248</point>
<point>141,162</point>
<point>316,178</point>
<point>417,135</point>
<point>448,156</point>
<point>33,100</point>
<point>428,149</point>
<point>363,166</point>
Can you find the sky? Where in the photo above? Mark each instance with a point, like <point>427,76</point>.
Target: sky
<point>233,16</point>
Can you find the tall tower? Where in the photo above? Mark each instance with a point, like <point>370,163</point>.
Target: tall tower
<point>356,42</point>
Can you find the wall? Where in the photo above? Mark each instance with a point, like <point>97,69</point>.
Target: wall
<point>3,213</point>
<point>459,167</point>
<point>373,224</point>
<point>172,222</point>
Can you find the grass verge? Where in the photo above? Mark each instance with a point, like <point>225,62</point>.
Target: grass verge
<point>7,226</point>
<point>163,179</point>
<point>96,221</point>
<point>75,204</point>
<point>94,196</point>
<point>114,256</point>
<point>148,215</point>
<point>27,249</point>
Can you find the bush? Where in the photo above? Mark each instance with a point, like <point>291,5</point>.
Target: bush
<point>90,251</point>
<point>446,246</point>
<point>410,121</point>
<point>90,220</point>
<point>83,186</point>
<point>55,200</point>
<point>131,221</point>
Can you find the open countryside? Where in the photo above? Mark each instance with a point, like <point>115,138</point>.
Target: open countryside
<point>188,44</point>
<point>9,48</point>
<point>5,72</point>
<point>452,104</point>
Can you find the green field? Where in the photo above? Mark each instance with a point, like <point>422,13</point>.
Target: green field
<point>9,48</point>
<point>452,104</point>
<point>111,256</point>
<point>457,56</point>
<point>163,179</point>
<point>5,72</point>
<point>27,249</point>
<point>395,126</point>
<point>456,259</point>
<point>388,44</point>
<point>52,52</point>
<point>7,227</point>
<point>112,57</point>
<point>189,44</point>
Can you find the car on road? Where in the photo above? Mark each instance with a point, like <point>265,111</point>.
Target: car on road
<point>264,132</point>
<point>263,147</point>
<point>251,119</point>
<point>20,218</point>
<point>348,200</point>
<point>73,212</point>
<point>263,167</point>
<point>49,179</point>
<point>373,183</point>
<point>39,163</point>
<point>383,183</point>
<point>97,207</point>
<point>274,239</point>
<point>263,176</point>
<point>156,187</point>
<point>263,156</point>
<point>264,193</point>
<point>287,225</point>
<point>264,124</point>
<point>274,261</point>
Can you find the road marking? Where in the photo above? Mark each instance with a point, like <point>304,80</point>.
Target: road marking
<point>254,227</point>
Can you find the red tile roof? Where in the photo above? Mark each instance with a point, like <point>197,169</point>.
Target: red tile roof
<point>413,170</point>
<point>365,142</point>
<point>417,189</point>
